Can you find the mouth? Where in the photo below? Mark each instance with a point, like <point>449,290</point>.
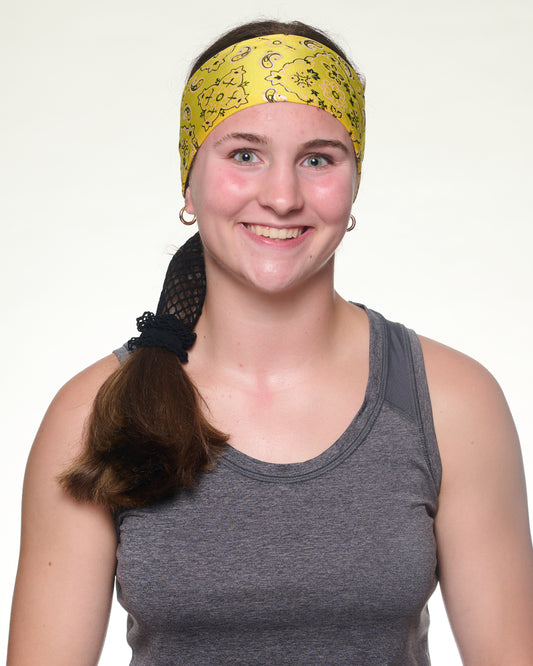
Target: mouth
<point>274,233</point>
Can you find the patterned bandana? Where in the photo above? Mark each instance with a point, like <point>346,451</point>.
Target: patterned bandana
<point>276,68</point>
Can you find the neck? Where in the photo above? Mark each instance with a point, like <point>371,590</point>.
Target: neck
<point>243,328</point>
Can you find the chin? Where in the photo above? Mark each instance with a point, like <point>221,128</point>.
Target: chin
<point>274,284</point>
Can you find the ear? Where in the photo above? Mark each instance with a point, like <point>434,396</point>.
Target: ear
<point>189,207</point>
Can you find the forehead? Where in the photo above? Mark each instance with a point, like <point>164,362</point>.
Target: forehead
<point>292,121</point>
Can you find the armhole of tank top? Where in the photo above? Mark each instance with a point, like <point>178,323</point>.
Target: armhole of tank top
<point>115,515</point>
<point>426,423</point>
<point>122,353</point>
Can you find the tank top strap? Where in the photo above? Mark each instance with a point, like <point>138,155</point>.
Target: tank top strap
<point>122,353</point>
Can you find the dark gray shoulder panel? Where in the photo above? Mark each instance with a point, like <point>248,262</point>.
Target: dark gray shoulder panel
<point>399,391</point>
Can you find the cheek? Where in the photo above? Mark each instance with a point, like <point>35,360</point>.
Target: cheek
<point>220,190</point>
<point>333,197</point>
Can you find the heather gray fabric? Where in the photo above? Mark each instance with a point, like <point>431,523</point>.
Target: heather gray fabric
<point>329,561</point>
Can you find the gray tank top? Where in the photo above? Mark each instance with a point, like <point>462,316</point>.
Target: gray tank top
<point>329,561</point>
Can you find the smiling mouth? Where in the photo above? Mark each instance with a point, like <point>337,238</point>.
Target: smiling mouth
<point>274,233</point>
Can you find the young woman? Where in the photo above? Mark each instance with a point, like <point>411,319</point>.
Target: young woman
<point>273,474</point>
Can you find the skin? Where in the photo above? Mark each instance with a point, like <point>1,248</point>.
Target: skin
<point>274,339</point>
<point>67,557</point>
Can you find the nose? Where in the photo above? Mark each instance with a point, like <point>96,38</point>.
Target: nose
<point>280,189</point>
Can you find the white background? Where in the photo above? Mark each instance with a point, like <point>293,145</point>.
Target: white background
<point>90,191</point>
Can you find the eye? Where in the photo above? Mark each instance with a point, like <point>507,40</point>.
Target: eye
<point>244,156</point>
<point>317,161</point>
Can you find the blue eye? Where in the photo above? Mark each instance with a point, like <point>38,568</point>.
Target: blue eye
<point>245,156</point>
<point>316,161</point>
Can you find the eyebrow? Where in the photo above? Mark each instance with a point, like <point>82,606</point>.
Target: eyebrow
<point>325,143</point>
<point>244,136</point>
<point>260,139</point>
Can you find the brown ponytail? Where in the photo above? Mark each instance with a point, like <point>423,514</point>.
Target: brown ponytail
<point>146,436</point>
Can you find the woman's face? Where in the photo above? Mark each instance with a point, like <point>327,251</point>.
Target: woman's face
<point>272,188</point>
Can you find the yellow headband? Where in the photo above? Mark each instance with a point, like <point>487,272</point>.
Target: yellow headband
<point>276,68</point>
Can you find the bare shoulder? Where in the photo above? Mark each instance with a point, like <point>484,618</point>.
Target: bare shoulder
<point>60,431</point>
<point>82,388</point>
<point>474,427</point>
<point>450,371</point>
<point>60,439</point>
<point>466,398</point>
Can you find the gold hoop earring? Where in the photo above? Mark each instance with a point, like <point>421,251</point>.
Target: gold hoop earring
<point>352,223</point>
<point>183,220</point>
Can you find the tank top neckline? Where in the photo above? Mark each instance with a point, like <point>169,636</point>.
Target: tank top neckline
<point>350,439</point>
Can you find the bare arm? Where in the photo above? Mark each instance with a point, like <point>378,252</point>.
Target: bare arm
<point>66,568</point>
<point>482,527</point>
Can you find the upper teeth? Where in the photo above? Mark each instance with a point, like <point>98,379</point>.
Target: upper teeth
<point>272,232</point>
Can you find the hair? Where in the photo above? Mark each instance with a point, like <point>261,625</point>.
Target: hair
<point>147,435</point>
<point>268,27</point>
